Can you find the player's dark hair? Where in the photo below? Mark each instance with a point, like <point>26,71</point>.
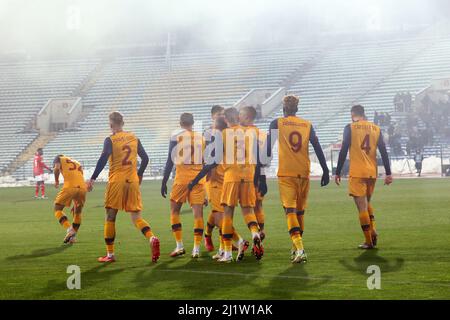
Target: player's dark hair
<point>186,119</point>
<point>116,117</point>
<point>220,123</point>
<point>358,110</point>
<point>250,111</point>
<point>290,104</point>
<point>216,109</point>
<point>232,115</point>
<point>40,150</point>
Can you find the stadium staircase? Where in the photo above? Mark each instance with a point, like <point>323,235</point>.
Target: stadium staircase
<point>28,153</point>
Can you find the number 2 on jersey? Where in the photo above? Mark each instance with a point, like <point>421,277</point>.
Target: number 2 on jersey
<point>126,161</point>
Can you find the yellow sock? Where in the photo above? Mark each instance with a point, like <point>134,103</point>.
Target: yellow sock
<point>227,233</point>
<point>143,225</point>
<point>252,224</point>
<point>76,221</point>
<point>364,220</point>
<point>221,244</point>
<point>59,214</point>
<point>176,226</point>
<point>198,231</point>
<point>236,236</point>
<point>301,221</point>
<point>294,230</point>
<point>260,217</point>
<point>109,233</point>
<point>209,224</point>
<point>373,225</point>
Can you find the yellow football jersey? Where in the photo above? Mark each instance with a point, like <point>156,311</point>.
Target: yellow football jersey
<point>240,159</point>
<point>123,160</point>
<point>72,172</point>
<point>188,156</point>
<point>293,147</point>
<point>363,149</point>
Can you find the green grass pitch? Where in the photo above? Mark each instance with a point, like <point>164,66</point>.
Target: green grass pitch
<point>413,220</point>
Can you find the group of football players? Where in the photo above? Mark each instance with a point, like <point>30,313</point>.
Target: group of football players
<point>225,167</point>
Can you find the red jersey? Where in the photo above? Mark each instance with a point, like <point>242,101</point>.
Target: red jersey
<point>39,165</point>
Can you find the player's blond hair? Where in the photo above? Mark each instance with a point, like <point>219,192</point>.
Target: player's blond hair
<point>290,104</point>
<point>116,118</point>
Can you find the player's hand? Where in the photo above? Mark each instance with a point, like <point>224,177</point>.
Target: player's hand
<point>90,184</point>
<point>337,179</point>
<point>56,184</point>
<point>388,180</point>
<point>205,203</point>
<point>262,185</point>
<point>140,180</point>
<point>325,179</point>
<point>164,190</point>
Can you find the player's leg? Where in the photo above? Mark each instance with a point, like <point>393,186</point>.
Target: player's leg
<point>227,233</point>
<point>60,216</point>
<point>143,226</point>
<point>43,189</point>
<point>370,209</point>
<point>290,192</point>
<point>76,222</point>
<point>197,210</point>
<point>175,221</point>
<point>208,231</point>
<point>301,220</point>
<point>63,199</point>
<point>109,234</point>
<point>358,190</point>
<point>36,190</point>
<point>260,216</point>
<point>364,220</point>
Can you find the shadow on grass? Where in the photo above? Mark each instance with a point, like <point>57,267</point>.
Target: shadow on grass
<point>292,281</point>
<point>371,257</point>
<point>89,278</point>
<point>199,277</point>
<point>40,253</point>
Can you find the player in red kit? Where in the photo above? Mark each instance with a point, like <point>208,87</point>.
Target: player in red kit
<point>38,173</point>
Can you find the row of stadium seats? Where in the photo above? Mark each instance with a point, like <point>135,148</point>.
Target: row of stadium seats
<point>152,98</point>
<point>25,88</point>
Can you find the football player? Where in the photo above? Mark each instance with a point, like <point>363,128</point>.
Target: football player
<point>294,136</point>
<point>186,152</point>
<point>123,189</point>
<point>363,138</point>
<point>74,190</point>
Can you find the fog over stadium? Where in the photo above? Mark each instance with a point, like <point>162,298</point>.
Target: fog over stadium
<point>39,29</point>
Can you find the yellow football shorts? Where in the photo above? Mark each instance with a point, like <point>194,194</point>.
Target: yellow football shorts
<point>66,195</point>
<point>215,197</point>
<point>123,196</point>
<point>359,187</point>
<point>294,192</point>
<point>242,192</point>
<point>180,194</point>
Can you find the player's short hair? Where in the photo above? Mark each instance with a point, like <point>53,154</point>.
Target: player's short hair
<point>290,104</point>
<point>187,119</point>
<point>40,150</point>
<point>220,123</point>
<point>358,110</point>
<point>250,111</point>
<point>216,109</point>
<point>116,118</point>
<point>232,115</point>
